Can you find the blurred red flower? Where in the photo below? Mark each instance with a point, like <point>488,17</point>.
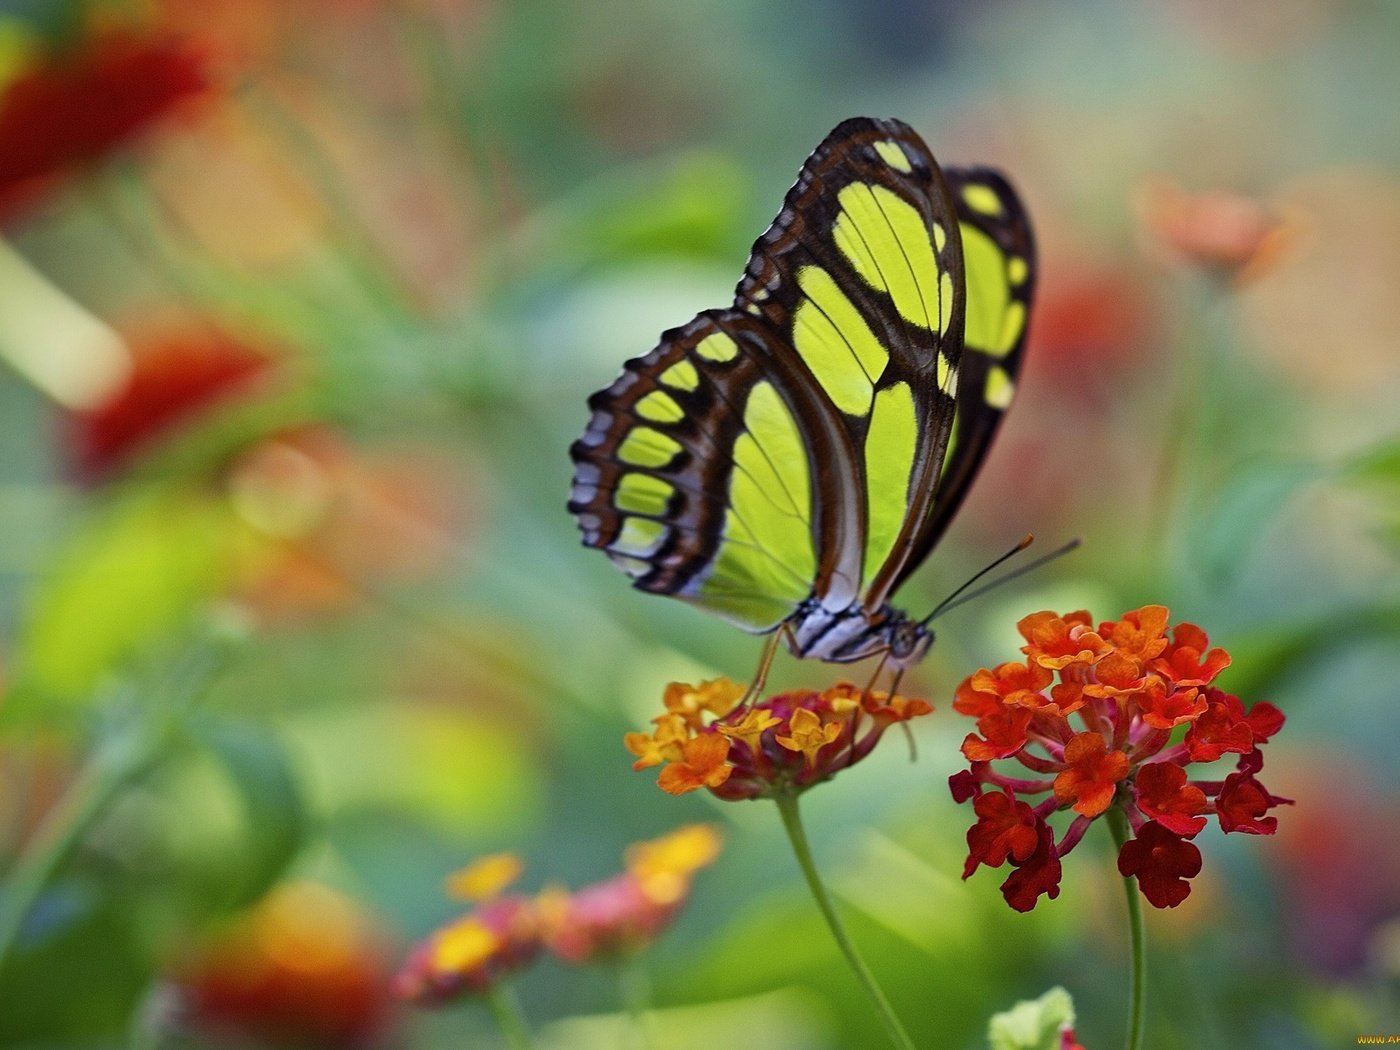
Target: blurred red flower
<point>306,965</point>
<point>473,954</point>
<point>72,108</point>
<point>1088,318</point>
<point>333,520</point>
<point>617,917</point>
<point>175,379</point>
<point>321,518</point>
<point>1339,879</point>
<point>622,915</point>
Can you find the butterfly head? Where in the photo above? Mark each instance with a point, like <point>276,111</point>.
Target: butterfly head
<point>908,641</point>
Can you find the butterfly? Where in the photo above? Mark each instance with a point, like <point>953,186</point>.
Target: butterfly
<point>786,462</point>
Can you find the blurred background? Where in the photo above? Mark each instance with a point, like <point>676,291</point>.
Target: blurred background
<point>300,304</point>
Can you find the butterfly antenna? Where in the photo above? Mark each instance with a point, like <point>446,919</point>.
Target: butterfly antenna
<point>962,595</point>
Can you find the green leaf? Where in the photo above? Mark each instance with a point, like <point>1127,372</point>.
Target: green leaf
<point>1033,1024</point>
<point>1379,464</point>
<point>1378,470</point>
<point>260,770</point>
<point>1225,534</point>
<point>691,207</point>
<point>133,574</point>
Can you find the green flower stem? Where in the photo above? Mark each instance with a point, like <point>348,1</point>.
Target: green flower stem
<point>1137,986</point>
<point>500,1000</point>
<point>1190,440</point>
<point>118,761</point>
<point>634,985</point>
<point>121,757</point>
<point>792,822</point>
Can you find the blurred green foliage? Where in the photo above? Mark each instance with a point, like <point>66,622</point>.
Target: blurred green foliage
<point>334,627</point>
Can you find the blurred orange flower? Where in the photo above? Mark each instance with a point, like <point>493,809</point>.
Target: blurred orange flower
<point>320,518</point>
<point>333,520</point>
<point>471,954</point>
<point>1223,233</point>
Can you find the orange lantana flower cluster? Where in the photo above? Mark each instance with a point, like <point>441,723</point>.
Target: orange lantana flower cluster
<point>1146,710</point>
<point>785,743</point>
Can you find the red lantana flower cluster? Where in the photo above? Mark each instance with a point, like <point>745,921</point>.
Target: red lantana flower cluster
<point>784,744</point>
<point>1131,710</point>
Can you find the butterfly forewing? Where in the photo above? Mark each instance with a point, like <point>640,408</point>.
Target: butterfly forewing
<point>862,274</point>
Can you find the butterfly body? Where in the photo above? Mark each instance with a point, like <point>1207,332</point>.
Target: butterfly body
<point>815,632</point>
<point>786,462</point>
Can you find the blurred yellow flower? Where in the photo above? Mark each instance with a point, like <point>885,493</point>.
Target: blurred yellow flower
<point>485,878</point>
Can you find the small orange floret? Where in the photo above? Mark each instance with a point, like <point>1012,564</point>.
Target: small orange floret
<point>905,708</point>
<point>667,744</point>
<point>1066,698</point>
<point>1117,674</point>
<point>845,697</point>
<point>808,734</point>
<point>1055,642</point>
<point>1140,634</point>
<point>751,728</point>
<point>718,696</point>
<point>1092,776</point>
<point>704,764</point>
<point>1166,707</point>
<point>1003,734</point>
<point>1015,683</point>
<point>1186,661</point>
<point>970,701</point>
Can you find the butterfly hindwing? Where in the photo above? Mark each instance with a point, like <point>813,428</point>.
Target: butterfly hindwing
<point>1000,266</point>
<point>694,474</point>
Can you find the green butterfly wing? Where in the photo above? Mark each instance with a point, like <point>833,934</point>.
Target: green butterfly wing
<point>791,448</point>
<point>1000,266</point>
<point>694,473</point>
<point>861,276</point>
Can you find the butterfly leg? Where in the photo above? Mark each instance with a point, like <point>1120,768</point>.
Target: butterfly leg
<point>760,677</point>
<point>875,677</point>
<point>898,677</point>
